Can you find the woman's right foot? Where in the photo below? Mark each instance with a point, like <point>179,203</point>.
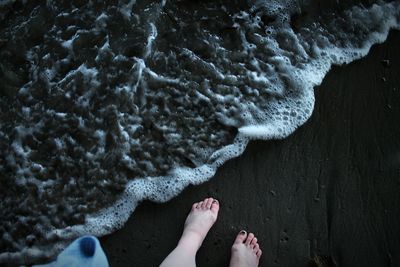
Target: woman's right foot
<point>245,251</point>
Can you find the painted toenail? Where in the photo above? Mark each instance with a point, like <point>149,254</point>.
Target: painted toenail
<point>243,232</point>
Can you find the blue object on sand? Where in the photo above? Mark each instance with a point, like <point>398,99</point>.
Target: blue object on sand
<point>85,251</point>
<point>87,246</point>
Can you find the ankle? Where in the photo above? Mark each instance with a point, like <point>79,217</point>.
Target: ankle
<point>191,240</point>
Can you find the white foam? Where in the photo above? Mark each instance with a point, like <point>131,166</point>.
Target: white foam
<point>275,63</point>
<point>161,189</point>
<point>126,10</point>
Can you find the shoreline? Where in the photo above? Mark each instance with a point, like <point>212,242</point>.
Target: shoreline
<point>341,204</point>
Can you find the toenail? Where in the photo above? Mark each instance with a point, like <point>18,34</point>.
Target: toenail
<point>215,201</point>
<point>243,232</point>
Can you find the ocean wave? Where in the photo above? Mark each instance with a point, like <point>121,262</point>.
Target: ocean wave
<point>105,105</point>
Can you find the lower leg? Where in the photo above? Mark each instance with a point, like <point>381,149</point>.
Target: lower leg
<point>198,223</point>
<point>184,253</point>
<point>180,256</point>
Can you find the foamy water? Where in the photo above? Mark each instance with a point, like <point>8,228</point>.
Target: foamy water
<point>103,106</point>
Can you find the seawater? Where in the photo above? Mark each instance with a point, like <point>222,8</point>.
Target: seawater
<point>103,105</point>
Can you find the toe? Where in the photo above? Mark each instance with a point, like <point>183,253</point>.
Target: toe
<point>194,206</point>
<point>256,248</point>
<point>214,205</point>
<point>204,203</point>
<point>253,242</point>
<point>259,253</point>
<point>209,203</point>
<point>241,237</point>
<point>199,205</point>
<point>249,238</point>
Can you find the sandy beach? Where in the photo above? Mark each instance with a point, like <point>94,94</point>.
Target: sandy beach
<point>105,106</point>
<point>329,193</point>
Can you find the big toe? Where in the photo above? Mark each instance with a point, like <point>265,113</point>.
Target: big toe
<point>241,237</point>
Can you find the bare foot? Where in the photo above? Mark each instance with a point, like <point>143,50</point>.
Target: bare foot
<point>199,221</point>
<point>245,251</point>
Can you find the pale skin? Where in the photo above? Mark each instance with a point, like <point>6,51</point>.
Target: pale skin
<point>245,251</point>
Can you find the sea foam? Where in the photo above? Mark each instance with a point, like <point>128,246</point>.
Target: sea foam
<point>108,105</point>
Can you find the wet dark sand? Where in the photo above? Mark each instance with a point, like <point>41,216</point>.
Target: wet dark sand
<point>331,191</point>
